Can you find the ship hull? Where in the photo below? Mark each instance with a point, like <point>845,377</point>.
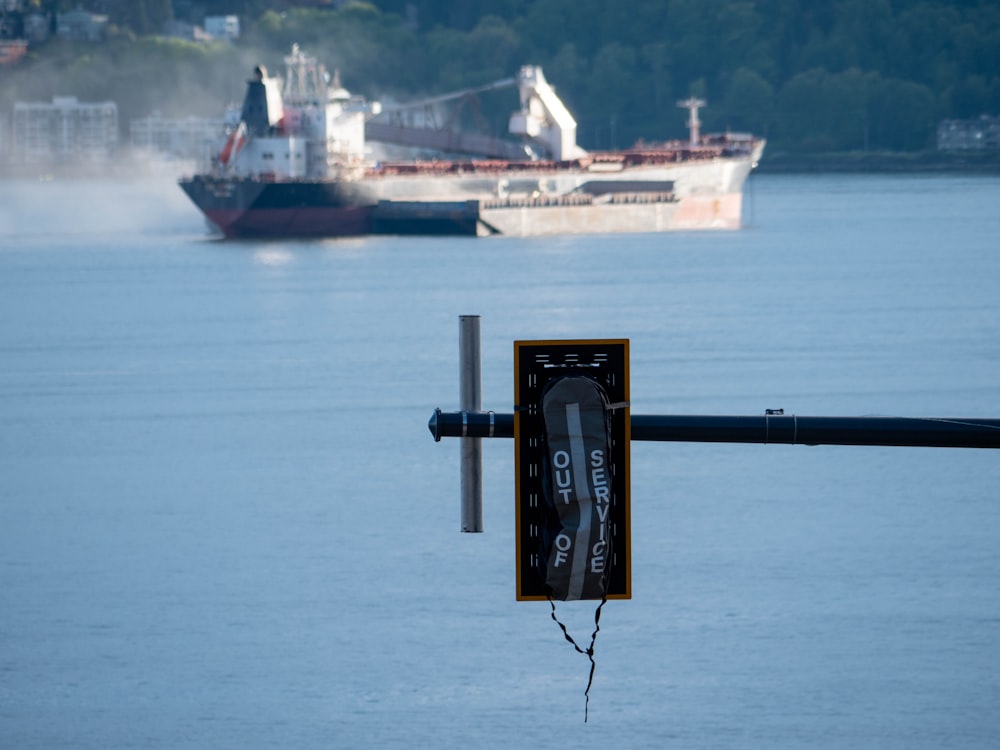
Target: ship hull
<point>304,222</point>
<point>249,208</point>
<point>631,215</point>
<point>483,199</point>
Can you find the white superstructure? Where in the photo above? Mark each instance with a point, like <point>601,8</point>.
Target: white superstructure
<point>306,126</point>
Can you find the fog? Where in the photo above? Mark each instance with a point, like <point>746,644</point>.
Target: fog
<point>58,207</point>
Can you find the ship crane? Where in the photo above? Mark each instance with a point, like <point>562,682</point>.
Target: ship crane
<point>505,83</point>
<point>397,130</point>
<point>543,122</point>
<point>543,116</point>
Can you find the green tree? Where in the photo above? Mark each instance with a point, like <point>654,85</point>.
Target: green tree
<point>491,51</point>
<point>611,94</point>
<point>904,115</point>
<point>811,74</point>
<point>748,102</point>
<point>141,16</point>
<point>657,58</point>
<point>820,111</point>
<point>973,96</point>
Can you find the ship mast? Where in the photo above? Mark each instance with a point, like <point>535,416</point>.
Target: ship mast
<point>691,104</point>
<point>305,80</point>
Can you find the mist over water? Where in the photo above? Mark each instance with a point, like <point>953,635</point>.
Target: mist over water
<point>90,208</point>
<point>223,521</point>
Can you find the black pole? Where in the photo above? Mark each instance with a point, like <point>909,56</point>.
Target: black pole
<point>931,432</point>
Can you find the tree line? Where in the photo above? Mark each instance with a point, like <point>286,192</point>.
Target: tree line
<point>810,75</point>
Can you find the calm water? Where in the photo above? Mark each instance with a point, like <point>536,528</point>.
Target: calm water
<point>224,524</point>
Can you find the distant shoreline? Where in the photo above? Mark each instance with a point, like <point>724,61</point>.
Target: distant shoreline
<point>974,162</point>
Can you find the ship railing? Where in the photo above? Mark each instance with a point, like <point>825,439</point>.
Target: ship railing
<point>578,199</point>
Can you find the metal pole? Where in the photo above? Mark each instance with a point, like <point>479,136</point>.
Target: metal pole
<point>471,403</point>
<point>931,432</point>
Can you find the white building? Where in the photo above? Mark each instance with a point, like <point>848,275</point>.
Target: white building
<point>186,139</point>
<point>977,134</point>
<point>64,132</point>
<point>184,30</point>
<point>81,25</point>
<point>223,27</point>
<point>36,27</point>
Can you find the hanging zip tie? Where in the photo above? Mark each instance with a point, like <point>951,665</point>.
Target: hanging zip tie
<point>589,652</point>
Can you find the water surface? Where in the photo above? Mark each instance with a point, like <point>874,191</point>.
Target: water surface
<point>223,522</point>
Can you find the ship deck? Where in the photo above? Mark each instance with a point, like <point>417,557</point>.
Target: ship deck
<point>652,155</point>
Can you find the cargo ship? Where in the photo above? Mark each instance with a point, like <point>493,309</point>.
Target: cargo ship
<point>297,161</point>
